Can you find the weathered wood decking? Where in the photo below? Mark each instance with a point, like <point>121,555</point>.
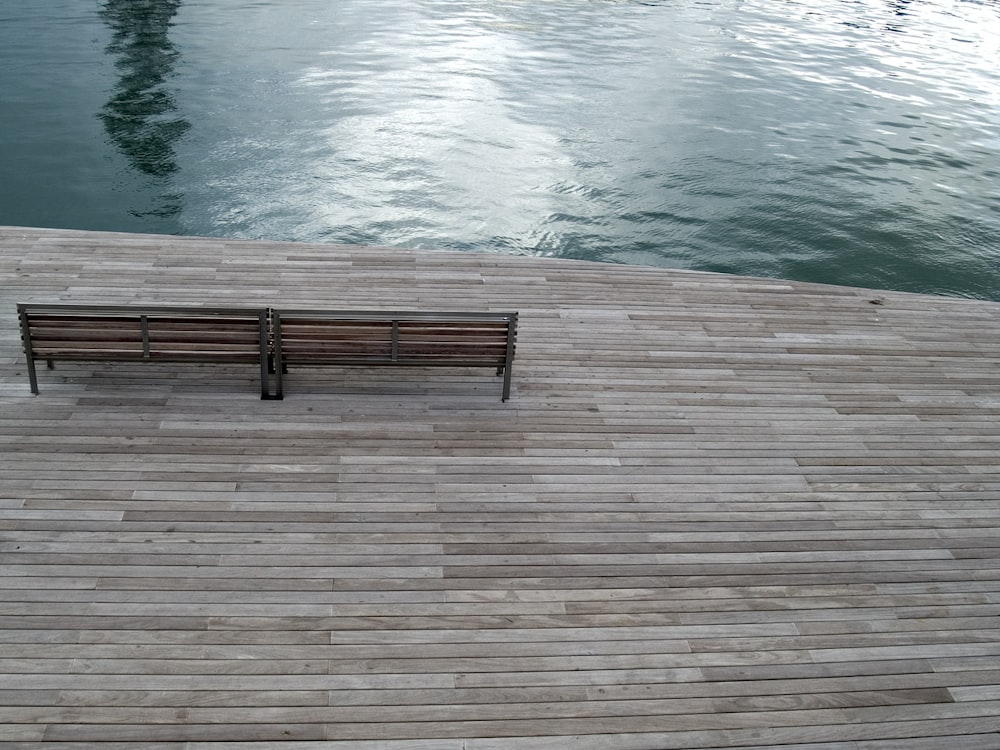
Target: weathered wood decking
<point>717,512</point>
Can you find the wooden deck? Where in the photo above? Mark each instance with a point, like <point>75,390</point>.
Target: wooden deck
<point>717,512</point>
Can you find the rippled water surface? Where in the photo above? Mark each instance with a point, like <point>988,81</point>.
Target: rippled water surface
<point>850,142</point>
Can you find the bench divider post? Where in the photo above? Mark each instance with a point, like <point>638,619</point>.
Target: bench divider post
<point>265,389</point>
<point>509,359</point>
<point>144,327</point>
<point>279,366</point>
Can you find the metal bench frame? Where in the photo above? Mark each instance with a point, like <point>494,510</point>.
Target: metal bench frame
<point>466,339</point>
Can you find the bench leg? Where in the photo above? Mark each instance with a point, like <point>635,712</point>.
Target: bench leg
<point>266,368</point>
<point>265,378</point>
<point>266,371</point>
<point>279,388</point>
<point>279,368</point>
<point>33,376</point>
<point>506,384</point>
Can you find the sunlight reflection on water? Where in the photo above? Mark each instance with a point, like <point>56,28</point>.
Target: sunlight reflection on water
<point>854,143</point>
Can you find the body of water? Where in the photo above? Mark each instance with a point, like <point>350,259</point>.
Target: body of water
<point>849,142</point>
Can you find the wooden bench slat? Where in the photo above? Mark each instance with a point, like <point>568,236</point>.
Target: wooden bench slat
<point>318,335</point>
<point>71,340</point>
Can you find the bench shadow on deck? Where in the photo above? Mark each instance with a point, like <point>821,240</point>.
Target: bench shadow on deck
<point>716,512</point>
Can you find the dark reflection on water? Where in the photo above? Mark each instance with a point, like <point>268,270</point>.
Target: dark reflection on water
<point>142,116</point>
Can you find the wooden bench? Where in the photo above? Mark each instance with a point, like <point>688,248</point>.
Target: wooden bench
<point>105,333</point>
<point>271,339</point>
<point>378,338</point>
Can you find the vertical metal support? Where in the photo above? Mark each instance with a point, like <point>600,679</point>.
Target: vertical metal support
<point>29,354</point>
<point>395,340</point>
<point>265,391</point>
<point>279,366</point>
<point>509,360</point>
<point>32,376</point>
<point>144,328</point>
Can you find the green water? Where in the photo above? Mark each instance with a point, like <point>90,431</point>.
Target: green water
<point>850,142</point>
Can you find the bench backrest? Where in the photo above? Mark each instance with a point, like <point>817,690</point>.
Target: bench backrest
<point>116,333</point>
<point>379,337</point>
<point>90,332</point>
<point>407,338</point>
